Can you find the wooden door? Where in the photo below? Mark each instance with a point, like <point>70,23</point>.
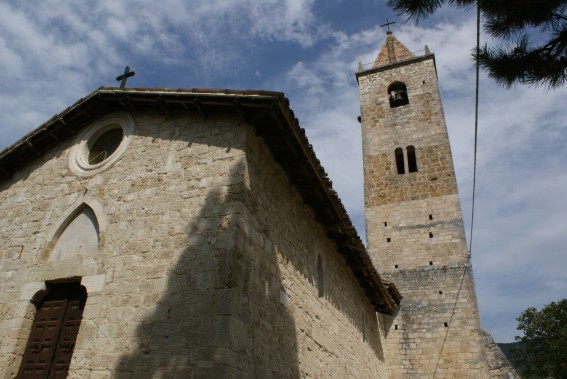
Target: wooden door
<point>53,334</point>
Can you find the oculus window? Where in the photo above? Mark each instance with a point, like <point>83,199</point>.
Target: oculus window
<point>101,144</point>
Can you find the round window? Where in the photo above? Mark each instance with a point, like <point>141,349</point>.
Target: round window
<point>101,144</point>
<point>105,145</point>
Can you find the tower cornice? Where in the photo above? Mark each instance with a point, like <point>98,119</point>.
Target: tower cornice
<point>396,64</point>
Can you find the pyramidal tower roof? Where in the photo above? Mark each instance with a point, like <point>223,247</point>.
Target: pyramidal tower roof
<point>392,51</point>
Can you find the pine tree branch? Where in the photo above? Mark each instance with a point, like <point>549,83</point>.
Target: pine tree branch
<point>559,16</point>
<point>545,64</point>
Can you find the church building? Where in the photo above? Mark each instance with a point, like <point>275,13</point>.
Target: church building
<point>193,233</point>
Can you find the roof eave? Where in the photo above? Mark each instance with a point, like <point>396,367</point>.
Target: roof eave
<point>274,121</point>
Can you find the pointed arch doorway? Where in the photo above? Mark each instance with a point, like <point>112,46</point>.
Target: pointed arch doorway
<point>54,332</point>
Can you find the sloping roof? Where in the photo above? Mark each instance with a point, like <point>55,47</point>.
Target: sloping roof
<point>392,51</point>
<point>274,121</point>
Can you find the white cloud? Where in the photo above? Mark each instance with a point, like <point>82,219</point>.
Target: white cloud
<point>290,20</point>
<point>71,46</point>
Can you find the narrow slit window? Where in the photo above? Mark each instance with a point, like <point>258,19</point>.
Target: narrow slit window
<point>320,284</point>
<point>364,332</point>
<point>412,161</point>
<point>400,160</point>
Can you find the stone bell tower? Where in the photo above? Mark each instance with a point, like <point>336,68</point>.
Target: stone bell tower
<point>414,225</point>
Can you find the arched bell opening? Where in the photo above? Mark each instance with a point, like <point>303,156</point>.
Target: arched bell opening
<point>397,94</point>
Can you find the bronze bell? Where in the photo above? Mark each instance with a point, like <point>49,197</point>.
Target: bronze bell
<point>398,96</point>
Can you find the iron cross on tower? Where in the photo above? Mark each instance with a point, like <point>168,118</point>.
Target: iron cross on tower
<point>124,77</point>
<point>388,23</point>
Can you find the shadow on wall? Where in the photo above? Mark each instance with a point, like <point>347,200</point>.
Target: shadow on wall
<point>209,321</point>
<point>306,250</point>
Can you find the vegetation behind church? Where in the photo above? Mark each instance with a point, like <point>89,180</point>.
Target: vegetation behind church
<point>542,350</point>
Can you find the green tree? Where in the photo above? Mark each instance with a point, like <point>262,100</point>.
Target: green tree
<point>522,61</point>
<point>543,350</point>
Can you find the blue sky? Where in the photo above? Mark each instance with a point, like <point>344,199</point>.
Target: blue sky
<point>55,52</point>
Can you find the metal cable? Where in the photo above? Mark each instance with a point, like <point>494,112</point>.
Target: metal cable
<point>477,66</point>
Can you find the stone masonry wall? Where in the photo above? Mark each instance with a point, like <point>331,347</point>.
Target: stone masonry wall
<point>418,233</point>
<point>337,335</point>
<point>407,201</point>
<point>159,301</point>
<point>207,262</point>
<point>435,178</point>
<point>500,367</point>
<point>422,120</point>
<point>414,228</point>
<point>437,330</point>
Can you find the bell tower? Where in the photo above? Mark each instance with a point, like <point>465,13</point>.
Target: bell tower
<point>414,225</point>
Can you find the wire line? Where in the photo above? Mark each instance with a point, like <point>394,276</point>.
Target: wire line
<point>473,189</point>
<point>477,67</point>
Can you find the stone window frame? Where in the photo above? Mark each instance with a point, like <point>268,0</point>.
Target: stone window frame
<point>78,157</point>
<point>410,158</point>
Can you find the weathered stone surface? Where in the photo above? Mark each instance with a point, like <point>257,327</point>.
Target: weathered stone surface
<point>199,232</point>
<point>498,363</point>
<point>414,224</point>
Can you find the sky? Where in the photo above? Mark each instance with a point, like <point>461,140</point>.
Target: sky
<point>52,53</point>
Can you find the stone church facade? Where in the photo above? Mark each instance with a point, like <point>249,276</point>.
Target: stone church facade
<point>150,233</point>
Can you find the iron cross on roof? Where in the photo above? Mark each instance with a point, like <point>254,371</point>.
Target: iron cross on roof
<point>388,23</point>
<point>124,77</point>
